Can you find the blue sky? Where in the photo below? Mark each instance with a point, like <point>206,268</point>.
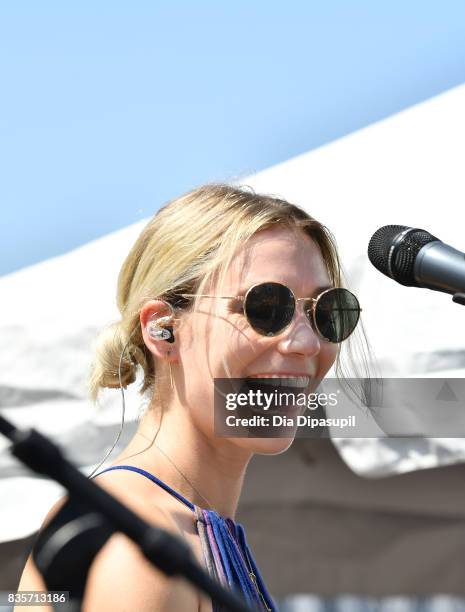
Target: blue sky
<point>109,109</point>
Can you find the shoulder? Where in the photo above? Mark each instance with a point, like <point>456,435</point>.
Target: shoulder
<point>120,577</point>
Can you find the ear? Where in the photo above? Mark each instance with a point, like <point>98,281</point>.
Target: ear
<point>153,312</point>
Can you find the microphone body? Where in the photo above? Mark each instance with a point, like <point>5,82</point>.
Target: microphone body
<point>415,258</point>
<point>440,267</point>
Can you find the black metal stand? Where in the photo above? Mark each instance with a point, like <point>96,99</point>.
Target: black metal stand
<point>101,515</point>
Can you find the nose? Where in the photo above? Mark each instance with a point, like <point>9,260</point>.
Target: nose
<point>299,336</point>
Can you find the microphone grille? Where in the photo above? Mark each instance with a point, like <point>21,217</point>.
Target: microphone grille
<point>380,244</point>
<point>398,263</point>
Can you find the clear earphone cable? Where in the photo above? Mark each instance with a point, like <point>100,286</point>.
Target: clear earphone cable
<point>123,406</point>
<point>155,436</point>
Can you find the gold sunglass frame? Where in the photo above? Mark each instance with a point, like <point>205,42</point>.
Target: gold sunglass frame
<point>314,301</point>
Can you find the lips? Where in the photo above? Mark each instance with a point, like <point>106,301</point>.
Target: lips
<point>280,380</point>
<point>280,393</point>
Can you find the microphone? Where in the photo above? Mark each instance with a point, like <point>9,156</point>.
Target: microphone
<point>415,258</point>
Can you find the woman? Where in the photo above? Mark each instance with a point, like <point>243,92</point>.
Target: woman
<point>206,292</point>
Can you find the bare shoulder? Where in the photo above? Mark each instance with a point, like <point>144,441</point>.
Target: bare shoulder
<point>121,577</point>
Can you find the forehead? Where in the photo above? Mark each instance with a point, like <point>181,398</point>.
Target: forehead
<point>279,255</point>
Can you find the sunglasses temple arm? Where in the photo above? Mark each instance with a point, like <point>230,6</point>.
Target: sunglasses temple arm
<point>221,297</point>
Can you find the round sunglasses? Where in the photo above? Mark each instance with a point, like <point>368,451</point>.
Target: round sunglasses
<point>270,307</point>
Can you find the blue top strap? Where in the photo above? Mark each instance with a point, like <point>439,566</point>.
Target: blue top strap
<point>224,536</point>
<point>153,479</point>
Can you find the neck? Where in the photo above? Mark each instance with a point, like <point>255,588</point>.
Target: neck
<point>208,471</point>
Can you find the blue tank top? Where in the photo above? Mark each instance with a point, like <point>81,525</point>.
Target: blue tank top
<point>227,557</point>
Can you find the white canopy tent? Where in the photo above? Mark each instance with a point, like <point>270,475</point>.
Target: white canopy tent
<point>407,169</point>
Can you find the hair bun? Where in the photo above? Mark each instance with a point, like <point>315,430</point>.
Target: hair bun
<point>108,365</point>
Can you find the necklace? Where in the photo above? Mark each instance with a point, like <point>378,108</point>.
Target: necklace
<point>252,576</point>
<point>179,471</point>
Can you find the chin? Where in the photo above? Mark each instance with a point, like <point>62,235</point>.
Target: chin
<point>264,446</point>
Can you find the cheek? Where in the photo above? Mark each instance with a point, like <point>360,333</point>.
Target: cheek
<point>328,356</point>
<point>245,348</point>
<point>219,352</point>
<point>231,347</point>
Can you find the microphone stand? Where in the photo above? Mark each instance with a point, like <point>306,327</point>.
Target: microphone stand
<point>164,550</point>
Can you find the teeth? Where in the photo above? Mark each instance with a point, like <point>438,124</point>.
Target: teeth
<point>282,380</point>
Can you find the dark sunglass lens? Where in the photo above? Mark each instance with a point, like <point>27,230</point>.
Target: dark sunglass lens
<point>269,308</point>
<point>336,314</point>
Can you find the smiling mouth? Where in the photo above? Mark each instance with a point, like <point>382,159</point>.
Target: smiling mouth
<point>293,382</point>
<point>281,392</point>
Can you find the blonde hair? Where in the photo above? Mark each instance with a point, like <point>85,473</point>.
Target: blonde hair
<point>185,244</point>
